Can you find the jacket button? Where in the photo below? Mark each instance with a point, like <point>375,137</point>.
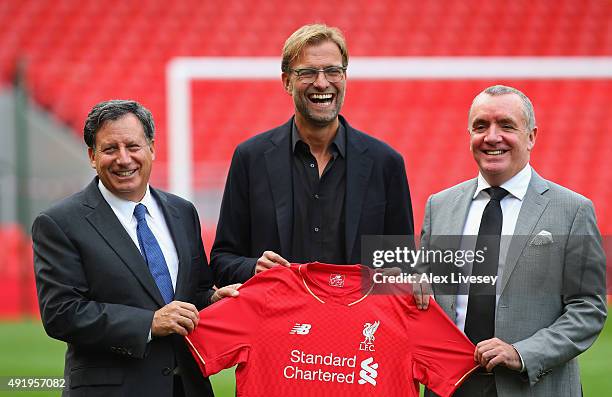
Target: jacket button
<point>166,371</point>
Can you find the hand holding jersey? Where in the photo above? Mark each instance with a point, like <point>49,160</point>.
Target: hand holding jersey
<point>422,293</point>
<point>493,352</point>
<point>174,318</point>
<point>269,260</point>
<point>229,291</point>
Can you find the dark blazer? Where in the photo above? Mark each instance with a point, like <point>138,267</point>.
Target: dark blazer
<point>97,294</point>
<point>257,208</point>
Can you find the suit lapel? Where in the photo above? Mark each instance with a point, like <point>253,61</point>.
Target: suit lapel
<point>358,170</point>
<point>532,208</point>
<point>278,166</point>
<point>458,210</point>
<point>179,238</point>
<point>103,219</point>
<point>450,234</point>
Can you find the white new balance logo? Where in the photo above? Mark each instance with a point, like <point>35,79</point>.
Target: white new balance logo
<point>300,329</point>
<point>368,372</point>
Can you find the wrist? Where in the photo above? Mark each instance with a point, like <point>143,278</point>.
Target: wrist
<point>521,363</point>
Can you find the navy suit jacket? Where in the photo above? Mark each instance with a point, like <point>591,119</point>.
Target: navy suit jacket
<point>96,293</point>
<point>257,208</point>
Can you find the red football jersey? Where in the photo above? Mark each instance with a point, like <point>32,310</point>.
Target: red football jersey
<point>321,330</point>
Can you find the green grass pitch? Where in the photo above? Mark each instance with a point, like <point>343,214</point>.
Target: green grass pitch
<point>25,350</point>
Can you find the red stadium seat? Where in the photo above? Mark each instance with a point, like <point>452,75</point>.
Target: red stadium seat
<point>83,51</point>
<point>17,289</point>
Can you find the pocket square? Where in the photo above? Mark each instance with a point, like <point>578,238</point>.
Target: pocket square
<point>542,238</point>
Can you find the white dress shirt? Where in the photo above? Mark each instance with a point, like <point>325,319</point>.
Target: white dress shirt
<point>511,206</point>
<point>124,210</point>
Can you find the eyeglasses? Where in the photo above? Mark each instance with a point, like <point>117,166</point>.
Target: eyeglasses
<point>333,74</point>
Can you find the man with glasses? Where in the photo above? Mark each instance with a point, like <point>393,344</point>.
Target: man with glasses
<point>309,189</point>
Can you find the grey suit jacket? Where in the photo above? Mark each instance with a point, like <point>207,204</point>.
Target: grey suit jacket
<point>551,303</point>
<point>97,294</point>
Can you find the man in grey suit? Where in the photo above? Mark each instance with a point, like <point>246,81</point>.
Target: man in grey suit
<point>121,270</point>
<point>548,304</point>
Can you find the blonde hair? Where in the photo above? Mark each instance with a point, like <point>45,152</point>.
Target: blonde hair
<point>309,35</point>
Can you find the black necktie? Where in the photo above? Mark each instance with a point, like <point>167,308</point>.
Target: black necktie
<point>480,317</point>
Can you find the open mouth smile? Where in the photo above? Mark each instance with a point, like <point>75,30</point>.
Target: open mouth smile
<point>321,99</point>
<point>497,152</point>
<point>124,174</point>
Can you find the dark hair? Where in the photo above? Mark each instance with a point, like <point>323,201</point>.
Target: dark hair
<point>113,110</point>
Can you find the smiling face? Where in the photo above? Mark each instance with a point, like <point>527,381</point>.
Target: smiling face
<point>499,138</point>
<point>122,157</point>
<point>317,103</point>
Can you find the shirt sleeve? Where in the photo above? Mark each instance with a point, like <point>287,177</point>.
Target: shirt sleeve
<point>443,357</point>
<point>223,337</point>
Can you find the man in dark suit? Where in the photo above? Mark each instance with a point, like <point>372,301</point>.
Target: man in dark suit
<point>309,189</point>
<point>121,270</point>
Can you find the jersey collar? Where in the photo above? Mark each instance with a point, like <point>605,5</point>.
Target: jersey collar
<point>359,276</point>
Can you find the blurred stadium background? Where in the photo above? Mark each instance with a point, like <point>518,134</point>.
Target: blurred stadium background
<point>58,58</point>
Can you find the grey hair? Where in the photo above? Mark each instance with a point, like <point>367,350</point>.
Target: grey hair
<point>113,110</point>
<point>497,90</point>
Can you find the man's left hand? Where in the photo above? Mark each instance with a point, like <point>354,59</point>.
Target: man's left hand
<point>493,352</point>
<point>225,292</point>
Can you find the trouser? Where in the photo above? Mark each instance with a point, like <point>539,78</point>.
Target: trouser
<point>480,384</point>
<point>178,387</point>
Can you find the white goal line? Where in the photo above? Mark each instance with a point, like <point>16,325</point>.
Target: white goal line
<point>181,71</point>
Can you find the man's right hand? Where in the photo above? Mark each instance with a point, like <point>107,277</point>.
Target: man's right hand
<point>268,260</point>
<point>175,318</point>
<point>422,293</point>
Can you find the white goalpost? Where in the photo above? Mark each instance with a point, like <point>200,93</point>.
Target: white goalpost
<point>181,71</point>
